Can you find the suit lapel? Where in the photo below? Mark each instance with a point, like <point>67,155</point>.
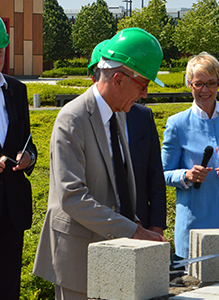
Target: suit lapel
<point>9,99</point>
<point>99,132</point>
<point>12,115</point>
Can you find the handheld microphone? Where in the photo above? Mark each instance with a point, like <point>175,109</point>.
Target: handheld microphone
<point>206,157</point>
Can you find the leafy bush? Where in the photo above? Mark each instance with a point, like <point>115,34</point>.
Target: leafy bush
<point>76,82</point>
<point>75,71</point>
<point>54,73</point>
<point>64,72</point>
<point>175,65</point>
<point>74,63</point>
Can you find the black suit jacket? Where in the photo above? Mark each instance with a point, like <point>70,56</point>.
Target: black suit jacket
<point>14,186</point>
<point>146,159</point>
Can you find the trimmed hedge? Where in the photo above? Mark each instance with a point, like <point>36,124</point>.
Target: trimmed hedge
<point>64,72</point>
<point>176,64</point>
<point>74,63</point>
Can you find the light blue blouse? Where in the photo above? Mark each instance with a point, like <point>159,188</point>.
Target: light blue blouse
<point>185,138</point>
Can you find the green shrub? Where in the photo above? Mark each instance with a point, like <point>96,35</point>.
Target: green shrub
<point>175,65</point>
<point>75,71</point>
<point>74,63</point>
<point>76,82</point>
<point>64,72</point>
<point>54,73</point>
<point>180,63</point>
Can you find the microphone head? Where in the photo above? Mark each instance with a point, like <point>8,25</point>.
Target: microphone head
<point>208,151</point>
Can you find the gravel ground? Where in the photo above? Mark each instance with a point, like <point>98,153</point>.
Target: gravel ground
<point>179,285</point>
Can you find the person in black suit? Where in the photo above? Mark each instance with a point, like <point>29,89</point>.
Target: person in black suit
<point>145,153</point>
<point>15,188</point>
<point>146,160</point>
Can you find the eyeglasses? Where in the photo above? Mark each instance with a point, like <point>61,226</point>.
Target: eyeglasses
<point>200,84</point>
<point>136,81</point>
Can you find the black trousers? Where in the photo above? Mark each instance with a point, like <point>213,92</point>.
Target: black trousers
<point>11,244</point>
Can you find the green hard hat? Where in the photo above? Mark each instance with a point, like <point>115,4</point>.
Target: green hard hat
<point>136,49</point>
<point>4,37</point>
<point>95,56</point>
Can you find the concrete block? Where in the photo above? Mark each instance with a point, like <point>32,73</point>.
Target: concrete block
<point>122,269</point>
<point>204,242</point>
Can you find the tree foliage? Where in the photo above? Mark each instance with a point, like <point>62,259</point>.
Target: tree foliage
<point>94,24</point>
<point>57,28</point>
<point>155,20</point>
<point>198,30</point>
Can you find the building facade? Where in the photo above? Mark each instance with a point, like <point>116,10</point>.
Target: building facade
<point>24,23</point>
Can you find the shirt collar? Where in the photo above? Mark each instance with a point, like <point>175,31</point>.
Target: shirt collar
<point>3,81</point>
<point>105,110</point>
<point>202,114</point>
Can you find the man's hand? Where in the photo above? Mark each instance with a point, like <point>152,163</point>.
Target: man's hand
<point>25,161</point>
<point>2,165</point>
<point>145,234</point>
<point>156,229</point>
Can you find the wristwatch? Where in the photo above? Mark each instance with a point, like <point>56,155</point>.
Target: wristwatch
<point>184,176</point>
<point>32,158</point>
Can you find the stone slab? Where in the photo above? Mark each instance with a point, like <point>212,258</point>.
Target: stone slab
<point>204,242</point>
<point>205,293</point>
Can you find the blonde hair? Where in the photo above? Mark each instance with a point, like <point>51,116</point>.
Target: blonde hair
<point>203,63</point>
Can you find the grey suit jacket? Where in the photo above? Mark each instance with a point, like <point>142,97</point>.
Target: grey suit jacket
<point>82,206</point>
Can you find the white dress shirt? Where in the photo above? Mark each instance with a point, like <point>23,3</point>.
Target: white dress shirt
<point>3,112</point>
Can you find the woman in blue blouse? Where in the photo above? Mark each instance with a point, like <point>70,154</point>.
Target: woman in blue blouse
<point>186,136</point>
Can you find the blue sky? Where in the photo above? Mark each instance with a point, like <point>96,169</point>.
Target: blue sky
<point>68,4</point>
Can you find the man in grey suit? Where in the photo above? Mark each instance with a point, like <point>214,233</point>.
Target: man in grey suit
<point>84,205</point>
<point>145,153</point>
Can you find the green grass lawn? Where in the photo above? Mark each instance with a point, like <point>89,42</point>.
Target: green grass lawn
<point>42,122</point>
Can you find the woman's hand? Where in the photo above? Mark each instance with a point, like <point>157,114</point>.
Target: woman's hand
<point>198,173</point>
<point>217,170</point>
